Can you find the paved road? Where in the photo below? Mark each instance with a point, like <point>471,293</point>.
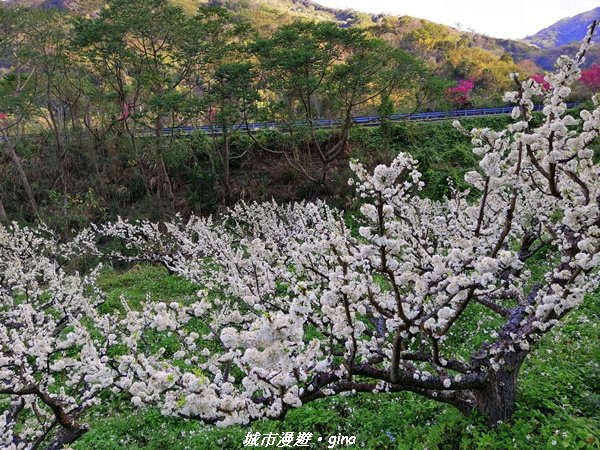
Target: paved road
<point>365,121</point>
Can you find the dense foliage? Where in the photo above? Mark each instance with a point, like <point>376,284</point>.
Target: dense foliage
<point>87,99</point>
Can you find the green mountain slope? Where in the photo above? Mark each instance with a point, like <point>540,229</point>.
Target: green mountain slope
<point>262,12</point>
<point>430,41</point>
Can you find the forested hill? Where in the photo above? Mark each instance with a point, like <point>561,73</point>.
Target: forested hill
<point>565,31</point>
<point>429,40</point>
<point>91,92</point>
<point>265,13</point>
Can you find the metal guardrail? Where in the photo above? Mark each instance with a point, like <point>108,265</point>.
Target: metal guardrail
<point>368,121</point>
<point>365,121</point>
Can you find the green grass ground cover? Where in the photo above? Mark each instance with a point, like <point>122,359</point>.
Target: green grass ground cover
<point>558,399</point>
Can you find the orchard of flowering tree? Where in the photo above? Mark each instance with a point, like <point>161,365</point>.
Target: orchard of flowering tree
<point>294,304</point>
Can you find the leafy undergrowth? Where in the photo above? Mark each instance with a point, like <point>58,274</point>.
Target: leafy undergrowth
<point>558,400</point>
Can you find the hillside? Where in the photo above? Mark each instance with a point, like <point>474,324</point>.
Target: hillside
<point>264,13</point>
<point>535,53</point>
<point>565,31</point>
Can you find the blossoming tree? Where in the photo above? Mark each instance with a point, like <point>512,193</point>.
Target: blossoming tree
<point>591,77</point>
<point>541,80</point>
<point>54,344</point>
<point>294,306</point>
<point>459,94</point>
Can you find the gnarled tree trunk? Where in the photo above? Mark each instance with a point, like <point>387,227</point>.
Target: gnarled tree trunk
<point>496,400</point>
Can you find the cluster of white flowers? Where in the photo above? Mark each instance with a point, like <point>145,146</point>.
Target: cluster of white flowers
<point>293,306</point>
<point>53,345</point>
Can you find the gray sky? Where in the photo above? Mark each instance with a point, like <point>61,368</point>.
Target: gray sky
<point>505,18</point>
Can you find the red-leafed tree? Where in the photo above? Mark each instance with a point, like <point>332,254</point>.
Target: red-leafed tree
<point>591,77</point>
<point>540,79</point>
<point>459,94</point>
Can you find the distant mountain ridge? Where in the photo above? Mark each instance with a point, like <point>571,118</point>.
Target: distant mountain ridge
<point>541,49</point>
<point>565,31</point>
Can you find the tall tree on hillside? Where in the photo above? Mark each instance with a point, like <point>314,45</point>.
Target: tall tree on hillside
<point>296,63</point>
<point>18,87</point>
<point>151,54</point>
<point>370,70</point>
<point>59,89</point>
<point>231,93</point>
<point>233,98</point>
<point>305,64</point>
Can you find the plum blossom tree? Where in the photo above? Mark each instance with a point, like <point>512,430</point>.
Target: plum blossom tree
<point>53,344</point>
<point>295,307</point>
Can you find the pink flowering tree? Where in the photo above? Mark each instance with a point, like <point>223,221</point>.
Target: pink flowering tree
<point>292,306</point>
<point>591,77</point>
<point>459,95</point>
<point>540,79</point>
